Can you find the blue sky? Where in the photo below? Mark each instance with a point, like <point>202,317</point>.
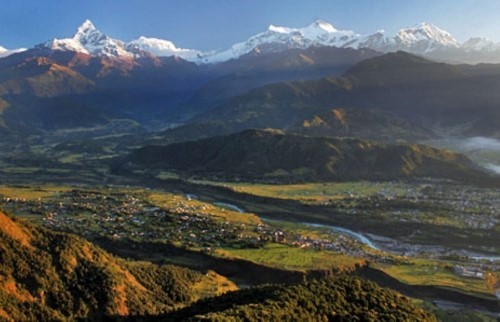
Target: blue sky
<point>216,24</point>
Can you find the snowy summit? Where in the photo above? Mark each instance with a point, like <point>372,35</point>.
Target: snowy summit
<point>89,40</point>
<point>278,38</point>
<point>424,38</point>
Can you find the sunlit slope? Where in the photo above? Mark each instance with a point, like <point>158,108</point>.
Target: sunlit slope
<point>54,276</point>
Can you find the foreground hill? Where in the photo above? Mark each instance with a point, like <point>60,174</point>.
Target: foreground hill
<point>336,299</point>
<point>275,155</point>
<point>47,276</point>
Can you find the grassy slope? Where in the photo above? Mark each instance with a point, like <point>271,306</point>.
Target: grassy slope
<point>293,258</point>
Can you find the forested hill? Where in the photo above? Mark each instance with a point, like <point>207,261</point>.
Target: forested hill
<point>334,299</point>
<point>276,155</point>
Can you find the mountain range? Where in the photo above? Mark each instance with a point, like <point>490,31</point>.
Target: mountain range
<point>41,85</point>
<point>421,39</point>
<point>416,96</point>
<point>92,84</point>
<point>383,97</point>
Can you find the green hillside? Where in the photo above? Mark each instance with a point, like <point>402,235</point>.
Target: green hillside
<point>274,155</point>
<point>335,299</point>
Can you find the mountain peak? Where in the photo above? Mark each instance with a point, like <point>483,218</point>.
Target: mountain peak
<point>431,29</point>
<point>86,27</point>
<point>323,25</point>
<point>317,26</point>
<point>87,24</point>
<point>425,37</point>
<point>154,41</point>
<point>425,28</point>
<point>425,24</point>
<point>97,43</point>
<point>87,33</point>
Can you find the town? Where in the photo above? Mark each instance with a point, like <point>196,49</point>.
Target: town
<point>126,216</point>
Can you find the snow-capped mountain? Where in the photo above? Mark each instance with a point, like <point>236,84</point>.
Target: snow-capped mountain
<point>6,52</point>
<point>376,41</point>
<point>160,47</point>
<point>276,38</point>
<point>89,40</point>
<point>422,39</point>
<point>419,39</point>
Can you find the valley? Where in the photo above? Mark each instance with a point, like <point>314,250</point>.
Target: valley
<point>301,229</point>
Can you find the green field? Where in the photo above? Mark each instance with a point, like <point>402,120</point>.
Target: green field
<point>32,193</point>
<point>293,258</point>
<point>427,272</point>
<point>317,192</point>
<point>172,202</point>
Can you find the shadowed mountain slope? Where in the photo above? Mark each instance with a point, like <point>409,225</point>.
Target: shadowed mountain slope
<point>275,155</point>
<point>363,124</point>
<point>443,99</point>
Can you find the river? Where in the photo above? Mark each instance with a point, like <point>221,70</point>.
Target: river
<point>341,230</point>
<point>358,236</point>
<point>346,231</point>
<point>228,206</point>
